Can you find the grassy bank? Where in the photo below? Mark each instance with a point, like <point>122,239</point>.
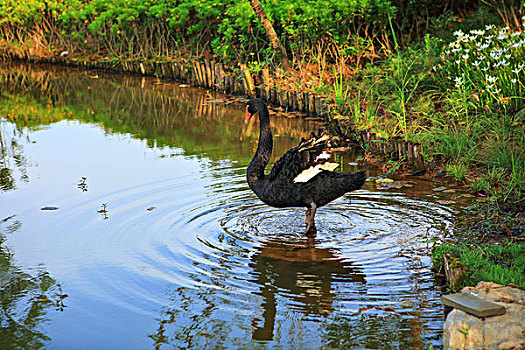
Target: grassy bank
<point>448,76</point>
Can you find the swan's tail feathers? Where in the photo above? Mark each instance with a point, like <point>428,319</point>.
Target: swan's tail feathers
<point>355,181</point>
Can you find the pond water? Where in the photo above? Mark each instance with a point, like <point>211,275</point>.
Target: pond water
<point>126,223</point>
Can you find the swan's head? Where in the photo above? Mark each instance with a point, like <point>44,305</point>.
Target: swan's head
<point>252,107</point>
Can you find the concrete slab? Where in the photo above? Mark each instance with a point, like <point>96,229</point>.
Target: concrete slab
<point>473,305</point>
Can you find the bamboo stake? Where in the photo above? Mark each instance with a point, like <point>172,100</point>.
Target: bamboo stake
<point>410,148</point>
<point>250,86</point>
<point>209,74</point>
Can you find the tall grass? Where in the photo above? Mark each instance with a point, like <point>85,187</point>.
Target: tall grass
<point>404,81</point>
<point>340,92</point>
<point>364,111</point>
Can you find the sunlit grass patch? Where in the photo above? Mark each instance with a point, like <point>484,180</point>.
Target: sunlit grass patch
<point>499,263</point>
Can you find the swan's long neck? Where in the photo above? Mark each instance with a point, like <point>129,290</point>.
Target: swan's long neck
<point>255,172</point>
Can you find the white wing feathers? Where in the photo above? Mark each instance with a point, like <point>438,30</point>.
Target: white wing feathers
<point>309,173</point>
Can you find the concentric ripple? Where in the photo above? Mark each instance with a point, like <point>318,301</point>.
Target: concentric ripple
<point>167,249</point>
<point>209,255</point>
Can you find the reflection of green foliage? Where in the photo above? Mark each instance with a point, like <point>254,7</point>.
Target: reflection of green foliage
<point>381,330</point>
<point>24,298</point>
<point>25,111</point>
<point>12,160</point>
<point>164,117</point>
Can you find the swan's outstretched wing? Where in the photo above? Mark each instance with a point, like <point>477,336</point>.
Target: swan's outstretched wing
<point>304,161</point>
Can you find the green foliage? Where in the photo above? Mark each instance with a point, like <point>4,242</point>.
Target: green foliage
<point>226,28</point>
<point>456,170</point>
<point>339,90</point>
<point>502,264</point>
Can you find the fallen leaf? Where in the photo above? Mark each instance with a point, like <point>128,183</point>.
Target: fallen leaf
<point>49,208</point>
<point>383,180</point>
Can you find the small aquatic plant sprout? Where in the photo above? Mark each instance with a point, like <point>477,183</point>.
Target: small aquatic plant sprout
<point>487,66</point>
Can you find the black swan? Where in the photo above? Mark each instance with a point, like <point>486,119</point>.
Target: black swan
<point>302,177</point>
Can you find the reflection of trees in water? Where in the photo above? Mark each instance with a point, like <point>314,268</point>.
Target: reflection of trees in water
<point>12,158</point>
<point>163,114</point>
<point>293,273</point>
<point>377,331</point>
<point>390,328</point>
<point>24,298</point>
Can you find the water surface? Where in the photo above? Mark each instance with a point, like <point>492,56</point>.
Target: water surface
<point>152,238</point>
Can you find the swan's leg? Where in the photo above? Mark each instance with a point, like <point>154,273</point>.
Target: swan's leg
<point>308,212</point>
<point>310,218</point>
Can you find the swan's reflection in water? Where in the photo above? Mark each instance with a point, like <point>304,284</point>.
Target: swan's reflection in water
<point>302,272</point>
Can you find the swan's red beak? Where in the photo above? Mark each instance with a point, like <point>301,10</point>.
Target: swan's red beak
<point>248,116</point>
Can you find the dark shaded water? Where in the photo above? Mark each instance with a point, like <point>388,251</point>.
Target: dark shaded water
<point>157,241</point>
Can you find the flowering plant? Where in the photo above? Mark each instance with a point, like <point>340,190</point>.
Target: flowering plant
<point>488,66</point>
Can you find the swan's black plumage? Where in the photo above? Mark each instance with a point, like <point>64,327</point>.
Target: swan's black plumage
<point>278,188</point>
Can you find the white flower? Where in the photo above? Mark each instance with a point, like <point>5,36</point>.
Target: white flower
<point>477,32</point>
<point>495,55</point>
<point>491,79</point>
<point>457,61</point>
<point>459,33</point>
<point>466,50</point>
<point>507,56</point>
<point>488,87</point>
<point>489,27</point>
<point>517,70</point>
<point>497,91</point>
<point>459,81</point>
<point>465,57</point>
<point>488,38</point>
<point>481,57</point>
<point>485,69</point>
<point>515,34</point>
<point>483,47</point>
<point>447,52</point>
<point>513,81</point>
<point>476,63</point>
